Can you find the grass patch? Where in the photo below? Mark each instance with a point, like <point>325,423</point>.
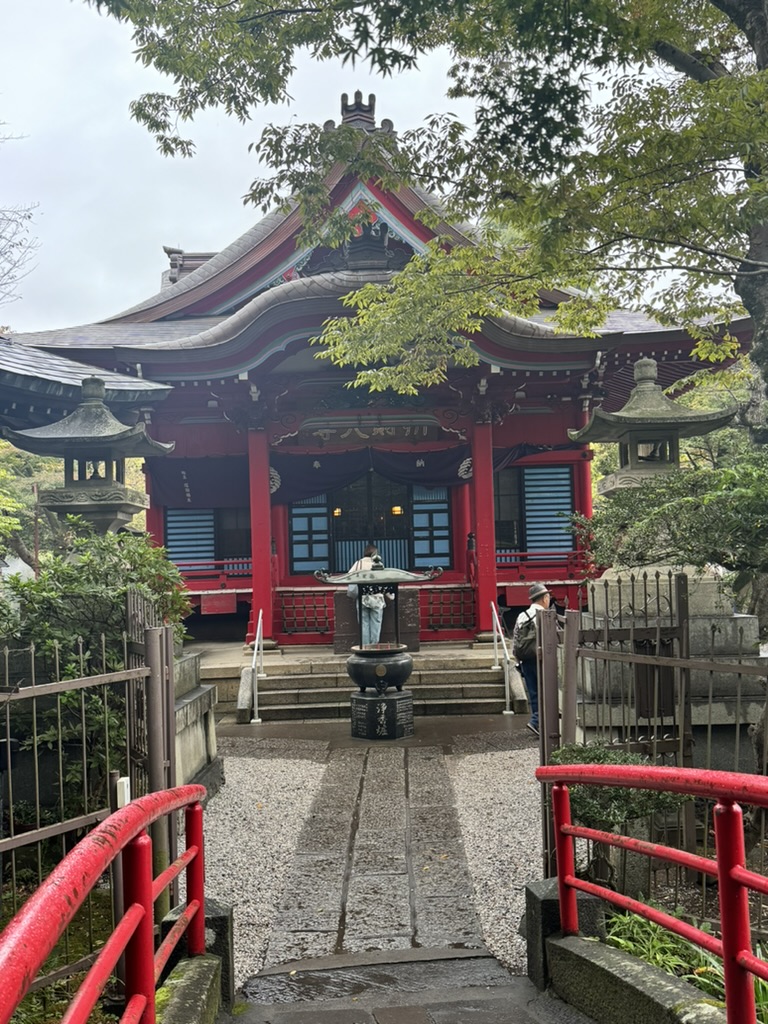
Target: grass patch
<point>655,945</point>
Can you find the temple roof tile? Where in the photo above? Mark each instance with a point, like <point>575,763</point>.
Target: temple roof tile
<point>35,369</point>
<point>228,256</point>
<point>108,335</point>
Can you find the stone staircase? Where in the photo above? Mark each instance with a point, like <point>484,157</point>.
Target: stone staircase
<point>310,683</point>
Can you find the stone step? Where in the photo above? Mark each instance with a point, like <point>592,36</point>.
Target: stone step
<point>282,667</point>
<point>421,708</point>
<point>312,695</point>
<point>337,686</point>
<point>469,676</point>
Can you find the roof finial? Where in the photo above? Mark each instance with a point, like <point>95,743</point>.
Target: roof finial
<point>359,114</point>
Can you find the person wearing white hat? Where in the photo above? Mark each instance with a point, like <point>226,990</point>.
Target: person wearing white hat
<point>524,648</point>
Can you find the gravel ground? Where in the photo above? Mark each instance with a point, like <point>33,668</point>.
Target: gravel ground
<point>498,800</point>
<point>251,827</point>
<point>253,823</point>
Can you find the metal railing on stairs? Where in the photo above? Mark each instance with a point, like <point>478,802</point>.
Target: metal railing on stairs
<point>257,667</point>
<point>500,645</point>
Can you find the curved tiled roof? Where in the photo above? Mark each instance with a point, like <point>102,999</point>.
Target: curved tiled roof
<point>269,307</point>
<point>258,242</point>
<point>248,241</point>
<point>117,335</point>
<point>32,369</point>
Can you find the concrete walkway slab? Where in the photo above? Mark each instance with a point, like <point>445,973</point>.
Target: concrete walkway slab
<point>431,987</point>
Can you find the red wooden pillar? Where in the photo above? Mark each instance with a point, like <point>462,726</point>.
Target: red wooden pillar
<point>154,515</point>
<point>280,559</point>
<point>582,483</point>
<point>485,527</point>
<point>261,532</point>
<point>462,525</point>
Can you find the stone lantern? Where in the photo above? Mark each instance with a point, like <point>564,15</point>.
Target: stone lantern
<point>379,667</point>
<point>94,445</point>
<point>647,430</point>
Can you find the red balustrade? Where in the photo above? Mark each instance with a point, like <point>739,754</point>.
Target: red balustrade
<point>31,936</point>
<point>728,790</point>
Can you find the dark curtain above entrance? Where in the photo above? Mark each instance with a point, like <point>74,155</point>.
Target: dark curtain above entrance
<point>222,482</point>
<point>296,477</point>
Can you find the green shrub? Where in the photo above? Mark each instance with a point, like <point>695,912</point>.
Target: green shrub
<point>80,598</point>
<point>609,807</point>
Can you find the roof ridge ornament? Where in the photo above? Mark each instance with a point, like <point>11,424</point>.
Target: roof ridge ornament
<point>359,114</point>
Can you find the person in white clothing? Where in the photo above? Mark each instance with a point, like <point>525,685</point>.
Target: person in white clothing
<point>525,653</point>
<point>371,605</point>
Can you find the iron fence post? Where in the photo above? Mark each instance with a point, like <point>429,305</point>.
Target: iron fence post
<point>118,880</point>
<point>170,747</point>
<point>549,720</point>
<point>140,951</point>
<point>734,913</point>
<point>549,697</point>
<point>570,676</point>
<point>685,718</point>
<point>156,744</point>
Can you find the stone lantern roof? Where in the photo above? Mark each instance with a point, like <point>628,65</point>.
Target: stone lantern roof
<point>90,432</point>
<point>94,445</point>
<point>649,407</point>
<point>647,430</point>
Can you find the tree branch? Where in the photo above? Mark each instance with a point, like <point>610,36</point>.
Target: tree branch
<point>688,64</point>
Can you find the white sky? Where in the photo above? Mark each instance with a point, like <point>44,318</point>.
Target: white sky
<point>107,201</point>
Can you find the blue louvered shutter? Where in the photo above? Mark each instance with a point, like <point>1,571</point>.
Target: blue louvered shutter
<point>310,540</point>
<point>547,502</point>
<point>190,534</point>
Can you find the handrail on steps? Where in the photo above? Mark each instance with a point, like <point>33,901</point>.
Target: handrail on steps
<point>257,667</point>
<point>499,638</point>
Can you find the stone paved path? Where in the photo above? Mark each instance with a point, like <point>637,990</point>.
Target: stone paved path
<point>380,863</point>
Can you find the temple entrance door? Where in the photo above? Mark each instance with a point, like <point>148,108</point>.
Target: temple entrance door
<point>374,510</point>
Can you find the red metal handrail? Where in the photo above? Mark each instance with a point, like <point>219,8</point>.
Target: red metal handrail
<point>734,879</point>
<point>30,937</point>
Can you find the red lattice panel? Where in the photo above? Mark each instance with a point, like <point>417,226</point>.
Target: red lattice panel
<point>447,608</point>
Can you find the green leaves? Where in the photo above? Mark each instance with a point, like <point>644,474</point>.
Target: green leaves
<point>82,595</point>
<point>710,514</point>
<point>610,807</point>
<point>407,334</point>
<point>624,145</point>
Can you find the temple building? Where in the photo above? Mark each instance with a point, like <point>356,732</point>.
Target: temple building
<point>278,470</point>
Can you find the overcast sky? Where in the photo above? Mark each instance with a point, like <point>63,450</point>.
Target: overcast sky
<point>107,201</point>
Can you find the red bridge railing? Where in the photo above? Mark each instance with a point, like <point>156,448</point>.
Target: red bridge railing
<point>31,936</point>
<point>734,880</point>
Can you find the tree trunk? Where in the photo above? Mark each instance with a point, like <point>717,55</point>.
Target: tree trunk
<point>751,285</point>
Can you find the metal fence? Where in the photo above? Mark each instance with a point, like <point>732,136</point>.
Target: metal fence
<point>621,674</point>
<point>65,744</point>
